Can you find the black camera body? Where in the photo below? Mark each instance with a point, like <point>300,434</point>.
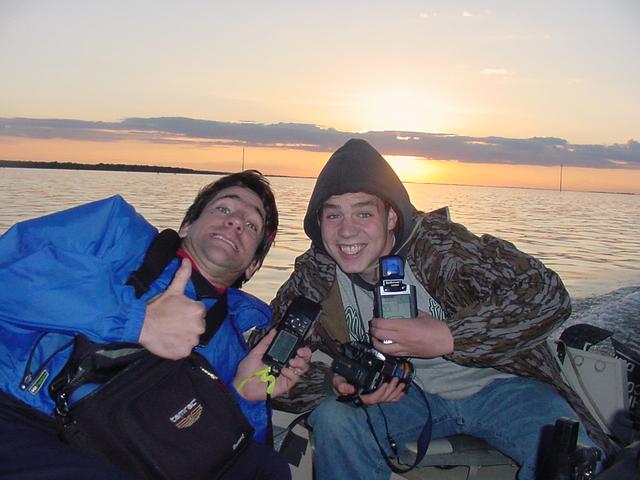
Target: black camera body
<point>567,459</point>
<point>295,325</point>
<point>393,298</point>
<point>365,368</point>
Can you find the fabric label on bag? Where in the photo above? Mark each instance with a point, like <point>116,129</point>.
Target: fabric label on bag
<point>188,415</point>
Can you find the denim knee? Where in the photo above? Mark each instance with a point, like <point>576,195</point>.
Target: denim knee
<point>333,418</point>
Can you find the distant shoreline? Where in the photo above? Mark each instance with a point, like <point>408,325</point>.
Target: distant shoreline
<point>116,167</point>
<point>121,167</point>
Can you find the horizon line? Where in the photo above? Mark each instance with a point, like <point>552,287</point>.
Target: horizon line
<point>141,168</point>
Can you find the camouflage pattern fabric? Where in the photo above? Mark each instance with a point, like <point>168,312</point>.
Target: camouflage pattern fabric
<point>501,305</point>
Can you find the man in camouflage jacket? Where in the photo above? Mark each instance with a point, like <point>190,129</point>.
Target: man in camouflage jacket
<point>499,305</point>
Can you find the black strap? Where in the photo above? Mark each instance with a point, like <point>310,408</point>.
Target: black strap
<point>423,440</point>
<point>159,254</point>
<point>288,444</point>
<point>302,418</point>
<point>214,318</point>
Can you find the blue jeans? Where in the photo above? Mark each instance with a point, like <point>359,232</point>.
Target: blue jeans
<point>510,414</point>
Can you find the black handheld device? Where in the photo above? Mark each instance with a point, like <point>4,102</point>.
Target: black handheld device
<point>365,368</point>
<point>393,297</point>
<point>295,325</point>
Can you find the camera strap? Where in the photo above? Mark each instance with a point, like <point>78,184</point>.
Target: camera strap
<point>423,440</point>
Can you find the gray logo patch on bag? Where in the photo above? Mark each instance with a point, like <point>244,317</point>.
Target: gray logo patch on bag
<point>187,415</point>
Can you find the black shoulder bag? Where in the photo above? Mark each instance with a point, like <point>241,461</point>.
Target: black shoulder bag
<point>151,417</point>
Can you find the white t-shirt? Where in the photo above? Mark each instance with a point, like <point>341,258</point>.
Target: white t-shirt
<point>435,375</point>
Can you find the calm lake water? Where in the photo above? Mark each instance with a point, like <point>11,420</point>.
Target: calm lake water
<point>592,240</point>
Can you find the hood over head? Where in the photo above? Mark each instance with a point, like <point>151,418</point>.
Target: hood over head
<point>358,167</point>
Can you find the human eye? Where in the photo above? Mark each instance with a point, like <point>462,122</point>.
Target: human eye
<point>251,226</point>
<point>330,213</point>
<point>365,214</point>
<point>222,209</point>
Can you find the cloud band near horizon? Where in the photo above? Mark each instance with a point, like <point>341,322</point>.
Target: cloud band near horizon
<point>537,151</point>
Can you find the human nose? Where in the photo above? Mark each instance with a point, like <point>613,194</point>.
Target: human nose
<point>347,228</point>
<point>236,221</point>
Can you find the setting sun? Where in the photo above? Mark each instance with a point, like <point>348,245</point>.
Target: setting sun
<point>412,169</point>
<point>393,106</point>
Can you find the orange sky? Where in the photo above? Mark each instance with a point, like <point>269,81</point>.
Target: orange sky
<point>272,161</point>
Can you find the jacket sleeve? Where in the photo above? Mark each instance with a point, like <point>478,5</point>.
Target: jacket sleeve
<point>499,301</point>
<point>65,272</point>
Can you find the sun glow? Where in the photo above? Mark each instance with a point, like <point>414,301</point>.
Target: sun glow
<point>403,108</point>
<point>412,169</point>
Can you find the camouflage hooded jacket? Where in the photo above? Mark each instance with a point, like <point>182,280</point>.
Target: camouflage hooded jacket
<point>500,304</point>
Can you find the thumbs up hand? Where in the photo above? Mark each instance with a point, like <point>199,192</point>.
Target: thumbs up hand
<point>173,322</point>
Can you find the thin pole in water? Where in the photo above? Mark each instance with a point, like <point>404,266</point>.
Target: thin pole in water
<point>560,177</point>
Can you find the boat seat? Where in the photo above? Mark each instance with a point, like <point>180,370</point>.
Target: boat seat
<point>459,450</point>
<point>459,457</point>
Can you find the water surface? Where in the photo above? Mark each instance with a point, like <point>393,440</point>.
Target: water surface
<point>591,239</point>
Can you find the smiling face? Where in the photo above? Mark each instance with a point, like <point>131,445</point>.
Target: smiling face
<point>357,229</point>
<point>223,240</point>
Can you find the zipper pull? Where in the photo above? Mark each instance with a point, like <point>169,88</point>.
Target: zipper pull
<point>26,380</point>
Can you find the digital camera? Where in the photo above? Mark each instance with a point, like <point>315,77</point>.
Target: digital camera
<point>393,297</point>
<point>365,368</point>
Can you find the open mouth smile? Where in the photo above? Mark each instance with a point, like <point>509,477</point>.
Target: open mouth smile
<point>352,249</point>
<point>225,240</point>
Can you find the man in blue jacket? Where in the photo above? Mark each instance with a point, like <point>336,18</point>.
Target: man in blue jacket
<point>65,274</point>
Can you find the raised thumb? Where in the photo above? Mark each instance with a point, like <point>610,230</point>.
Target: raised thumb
<point>181,278</point>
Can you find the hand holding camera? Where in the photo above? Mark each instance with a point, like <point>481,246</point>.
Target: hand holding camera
<point>366,369</point>
<point>363,366</point>
<point>398,328</point>
<point>423,336</point>
<point>388,392</point>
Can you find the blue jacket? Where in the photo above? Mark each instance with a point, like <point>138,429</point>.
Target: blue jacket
<point>65,274</point>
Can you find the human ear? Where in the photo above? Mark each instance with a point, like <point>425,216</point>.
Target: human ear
<point>392,219</point>
<point>253,267</point>
<point>184,229</point>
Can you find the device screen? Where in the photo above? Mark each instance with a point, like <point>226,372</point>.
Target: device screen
<point>282,346</point>
<point>396,306</point>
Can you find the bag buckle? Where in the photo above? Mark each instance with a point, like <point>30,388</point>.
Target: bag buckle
<point>62,404</point>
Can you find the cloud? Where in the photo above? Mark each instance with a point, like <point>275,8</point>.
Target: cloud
<point>470,14</point>
<point>496,71</point>
<point>437,146</point>
<point>524,37</point>
<point>428,15</point>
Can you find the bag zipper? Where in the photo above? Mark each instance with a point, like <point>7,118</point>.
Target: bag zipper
<point>29,377</point>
